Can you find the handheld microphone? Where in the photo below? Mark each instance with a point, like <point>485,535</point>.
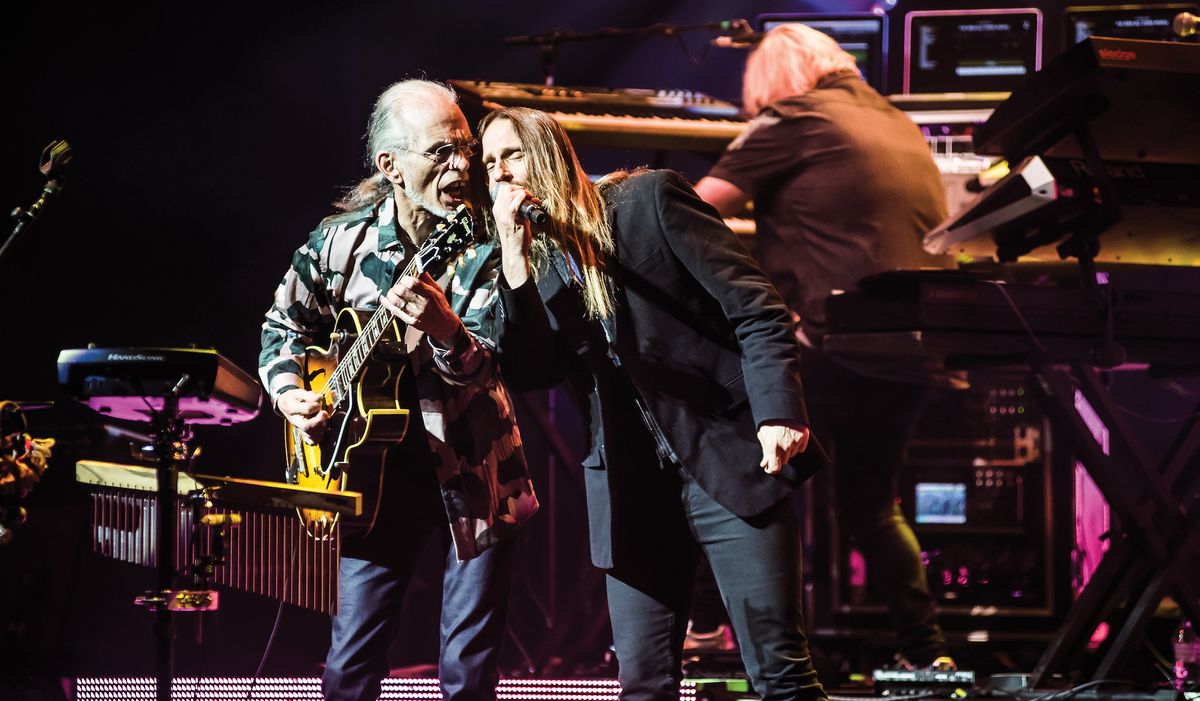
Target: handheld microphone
<point>531,211</point>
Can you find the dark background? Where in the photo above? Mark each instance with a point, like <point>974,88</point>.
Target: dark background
<point>209,139</point>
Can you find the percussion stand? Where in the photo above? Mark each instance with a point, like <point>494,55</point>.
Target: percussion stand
<point>170,444</point>
<point>173,389</point>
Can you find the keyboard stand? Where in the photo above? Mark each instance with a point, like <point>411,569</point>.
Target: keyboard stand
<point>1155,549</point>
<point>1158,541</point>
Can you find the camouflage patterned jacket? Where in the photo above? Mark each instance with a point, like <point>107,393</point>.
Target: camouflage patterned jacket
<point>349,261</point>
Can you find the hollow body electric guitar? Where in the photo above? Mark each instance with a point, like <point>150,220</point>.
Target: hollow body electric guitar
<point>358,378</point>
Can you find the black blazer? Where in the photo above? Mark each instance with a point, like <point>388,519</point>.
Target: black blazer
<point>700,332</point>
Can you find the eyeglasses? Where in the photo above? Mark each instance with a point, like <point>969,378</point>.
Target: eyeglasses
<point>441,155</point>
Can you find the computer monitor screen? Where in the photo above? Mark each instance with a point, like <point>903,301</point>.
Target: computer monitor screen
<point>1152,22</point>
<point>862,35</point>
<point>941,502</point>
<point>971,50</point>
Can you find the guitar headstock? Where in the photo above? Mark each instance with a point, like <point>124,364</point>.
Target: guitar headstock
<point>449,240</point>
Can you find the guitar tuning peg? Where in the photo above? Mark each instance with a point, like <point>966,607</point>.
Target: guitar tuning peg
<point>470,253</point>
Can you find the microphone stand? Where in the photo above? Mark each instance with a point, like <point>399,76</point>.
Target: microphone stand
<point>548,43</point>
<point>55,158</point>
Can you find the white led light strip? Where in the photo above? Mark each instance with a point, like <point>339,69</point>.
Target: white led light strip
<point>306,688</point>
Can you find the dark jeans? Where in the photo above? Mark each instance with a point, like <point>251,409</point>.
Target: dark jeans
<point>757,568</point>
<point>865,424</point>
<point>375,572</point>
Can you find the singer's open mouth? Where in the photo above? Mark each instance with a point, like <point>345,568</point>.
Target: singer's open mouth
<point>456,191</point>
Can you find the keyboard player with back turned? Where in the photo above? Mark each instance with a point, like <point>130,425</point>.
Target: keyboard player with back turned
<point>844,186</point>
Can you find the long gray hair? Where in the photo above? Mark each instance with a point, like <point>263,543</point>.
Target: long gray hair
<point>389,130</point>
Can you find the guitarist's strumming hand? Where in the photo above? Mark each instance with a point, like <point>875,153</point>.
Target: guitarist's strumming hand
<point>420,303</point>
<point>306,411</point>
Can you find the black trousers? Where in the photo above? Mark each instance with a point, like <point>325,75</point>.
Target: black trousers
<point>756,563</point>
<point>866,424</point>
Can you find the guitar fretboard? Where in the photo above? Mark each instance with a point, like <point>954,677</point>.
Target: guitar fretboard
<point>439,246</point>
<point>352,361</point>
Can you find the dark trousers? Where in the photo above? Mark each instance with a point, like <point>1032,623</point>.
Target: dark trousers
<point>375,572</point>
<point>756,563</point>
<point>865,424</point>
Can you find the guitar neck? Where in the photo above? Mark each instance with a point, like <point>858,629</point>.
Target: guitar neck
<point>441,245</point>
<point>342,380</point>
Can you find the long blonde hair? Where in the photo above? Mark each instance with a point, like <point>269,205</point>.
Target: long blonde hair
<point>790,60</point>
<point>578,224</point>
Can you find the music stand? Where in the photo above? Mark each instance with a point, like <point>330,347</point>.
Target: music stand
<point>1109,107</point>
<point>173,389</point>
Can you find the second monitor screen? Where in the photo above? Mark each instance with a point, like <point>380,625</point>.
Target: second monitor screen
<point>971,50</point>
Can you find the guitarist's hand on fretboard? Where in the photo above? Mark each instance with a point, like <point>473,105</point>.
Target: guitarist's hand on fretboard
<point>306,411</point>
<point>347,417</point>
<point>420,303</point>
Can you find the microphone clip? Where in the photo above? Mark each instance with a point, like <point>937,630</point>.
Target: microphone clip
<point>741,36</point>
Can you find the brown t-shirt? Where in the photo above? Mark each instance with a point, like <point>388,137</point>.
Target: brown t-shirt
<point>844,186</point>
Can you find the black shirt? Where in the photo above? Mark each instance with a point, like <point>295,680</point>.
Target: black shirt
<point>844,186</point>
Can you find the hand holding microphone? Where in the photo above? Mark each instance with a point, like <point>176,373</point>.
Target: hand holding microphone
<point>515,209</point>
<point>529,208</point>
